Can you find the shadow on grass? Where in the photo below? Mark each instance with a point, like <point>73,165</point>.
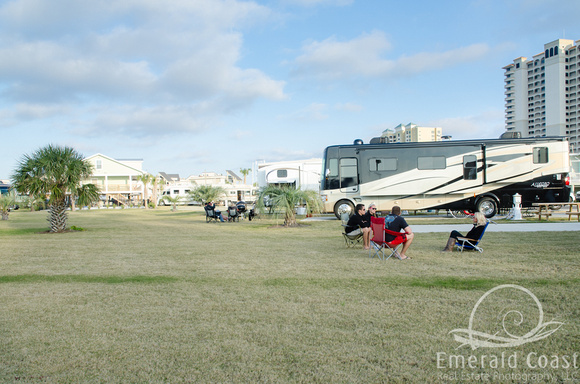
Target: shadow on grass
<point>87,279</point>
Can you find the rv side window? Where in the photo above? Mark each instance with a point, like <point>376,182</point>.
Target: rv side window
<point>348,172</point>
<point>431,162</point>
<point>385,164</point>
<point>331,174</point>
<point>332,167</point>
<point>540,155</point>
<point>281,173</point>
<point>470,167</point>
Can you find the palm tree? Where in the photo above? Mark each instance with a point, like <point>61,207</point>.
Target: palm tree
<point>156,183</point>
<point>245,172</point>
<point>6,202</point>
<point>286,199</point>
<point>145,178</point>
<point>32,201</point>
<point>207,193</point>
<point>173,200</point>
<point>53,171</point>
<point>87,194</point>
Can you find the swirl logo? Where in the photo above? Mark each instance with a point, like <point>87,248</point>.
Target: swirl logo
<point>506,337</point>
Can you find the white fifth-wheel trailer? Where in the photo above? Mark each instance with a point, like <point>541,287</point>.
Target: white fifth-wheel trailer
<point>476,175</point>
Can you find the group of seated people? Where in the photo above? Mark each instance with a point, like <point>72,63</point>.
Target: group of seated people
<point>234,211</point>
<point>360,223</point>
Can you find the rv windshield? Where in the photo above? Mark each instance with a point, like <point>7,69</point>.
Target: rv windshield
<point>339,172</point>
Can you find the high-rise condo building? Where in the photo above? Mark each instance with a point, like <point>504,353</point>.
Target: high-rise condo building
<point>411,132</point>
<point>542,97</point>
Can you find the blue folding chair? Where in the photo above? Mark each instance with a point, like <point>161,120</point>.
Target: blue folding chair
<point>464,243</point>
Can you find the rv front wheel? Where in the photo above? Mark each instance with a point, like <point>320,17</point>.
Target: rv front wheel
<point>338,208</point>
<point>487,206</point>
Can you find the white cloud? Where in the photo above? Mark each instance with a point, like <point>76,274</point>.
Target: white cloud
<point>364,56</point>
<point>182,56</point>
<point>138,121</point>
<point>488,124</point>
<point>332,59</point>
<point>285,154</point>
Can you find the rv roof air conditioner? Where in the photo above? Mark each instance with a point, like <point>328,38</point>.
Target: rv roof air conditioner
<point>511,135</point>
<point>379,140</point>
<point>358,142</point>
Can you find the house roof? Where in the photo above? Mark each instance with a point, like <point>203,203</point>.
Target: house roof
<point>169,176</point>
<point>121,162</point>
<point>233,175</point>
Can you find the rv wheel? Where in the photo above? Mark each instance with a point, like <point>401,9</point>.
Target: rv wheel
<point>487,206</point>
<point>342,206</point>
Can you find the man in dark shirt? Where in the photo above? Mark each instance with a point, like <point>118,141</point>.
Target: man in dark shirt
<point>357,224</point>
<point>396,223</point>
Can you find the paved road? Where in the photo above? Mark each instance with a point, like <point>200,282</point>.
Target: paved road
<point>509,227</point>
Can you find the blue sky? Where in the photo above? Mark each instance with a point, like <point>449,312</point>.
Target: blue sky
<point>208,85</point>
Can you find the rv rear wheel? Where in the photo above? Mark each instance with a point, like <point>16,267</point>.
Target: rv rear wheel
<point>487,206</point>
<point>338,210</point>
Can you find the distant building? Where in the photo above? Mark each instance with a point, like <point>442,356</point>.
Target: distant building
<point>541,93</point>
<point>235,189</point>
<point>117,180</point>
<point>4,187</point>
<point>412,133</point>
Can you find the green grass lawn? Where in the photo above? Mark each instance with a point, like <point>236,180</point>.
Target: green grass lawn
<point>162,297</point>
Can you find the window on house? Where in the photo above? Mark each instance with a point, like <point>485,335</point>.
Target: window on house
<point>99,164</point>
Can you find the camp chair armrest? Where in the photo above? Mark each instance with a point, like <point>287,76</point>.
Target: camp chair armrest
<point>466,239</point>
<point>393,233</point>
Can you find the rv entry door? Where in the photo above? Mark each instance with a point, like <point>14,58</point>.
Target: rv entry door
<point>349,175</point>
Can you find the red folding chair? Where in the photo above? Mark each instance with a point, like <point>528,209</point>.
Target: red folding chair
<point>378,243</point>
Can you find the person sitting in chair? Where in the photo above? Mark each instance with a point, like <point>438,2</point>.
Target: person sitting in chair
<point>218,214</point>
<point>396,223</point>
<point>371,212</point>
<point>479,222</point>
<point>357,224</point>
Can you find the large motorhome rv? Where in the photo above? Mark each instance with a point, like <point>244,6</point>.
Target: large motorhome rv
<point>300,174</point>
<point>476,175</point>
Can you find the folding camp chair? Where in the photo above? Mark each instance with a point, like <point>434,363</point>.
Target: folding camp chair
<point>210,215</point>
<point>470,244</point>
<point>233,214</point>
<point>349,240</point>
<point>378,243</point>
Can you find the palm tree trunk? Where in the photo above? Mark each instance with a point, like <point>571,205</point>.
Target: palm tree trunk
<point>290,221</point>
<point>58,217</point>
